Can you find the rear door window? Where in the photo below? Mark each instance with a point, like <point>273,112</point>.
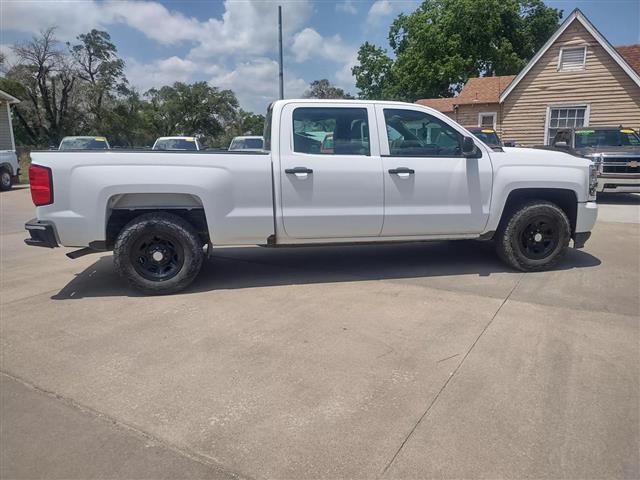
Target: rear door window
<point>331,131</point>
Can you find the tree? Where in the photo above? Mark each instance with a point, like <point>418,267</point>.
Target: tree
<point>196,109</point>
<point>444,42</point>
<point>125,123</point>
<point>100,68</point>
<point>45,80</point>
<point>372,71</point>
<point>324,89</point>
<point>244,123</point>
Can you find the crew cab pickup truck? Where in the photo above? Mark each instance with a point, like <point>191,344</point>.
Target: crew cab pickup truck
<point>615,151</point>
<point>394,172</point>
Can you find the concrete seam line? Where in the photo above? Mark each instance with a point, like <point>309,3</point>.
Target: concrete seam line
<point>28,297</point>
<point>195,456</point>
<point>435,399</point>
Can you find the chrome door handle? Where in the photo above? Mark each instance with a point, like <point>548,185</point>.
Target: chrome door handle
<point>298,170</point>
<point>401,170</point>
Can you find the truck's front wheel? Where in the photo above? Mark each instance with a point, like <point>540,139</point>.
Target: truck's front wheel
<point>6,181</point>
<point>534,237</point>
<point>158,253</point>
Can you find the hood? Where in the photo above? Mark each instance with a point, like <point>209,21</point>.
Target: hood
<point>534,156</point>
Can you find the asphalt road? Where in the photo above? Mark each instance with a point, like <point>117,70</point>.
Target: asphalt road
<point>394,361</point>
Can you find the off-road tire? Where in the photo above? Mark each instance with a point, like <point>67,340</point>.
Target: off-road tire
<point>6,181</point>
<point>159,224</point>
<point>511,245</point>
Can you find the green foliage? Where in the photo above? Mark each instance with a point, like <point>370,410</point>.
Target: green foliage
<point>372,72</point>
<point>324,89</point>
<point>244,123</point>
<point>197,109</point>
<point>444,42</point>
<point>97,64</point>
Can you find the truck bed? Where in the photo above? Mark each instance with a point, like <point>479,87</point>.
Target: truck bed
<point>233,187</point>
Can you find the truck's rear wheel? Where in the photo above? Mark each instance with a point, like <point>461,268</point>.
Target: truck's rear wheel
<point>6,182</point>
<point>534,237</point>
<point>158,253</point>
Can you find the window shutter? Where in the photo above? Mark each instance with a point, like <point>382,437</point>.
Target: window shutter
<point>572,58</point>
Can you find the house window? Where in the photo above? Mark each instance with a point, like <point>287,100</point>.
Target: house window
<point>565,117</point>
<point>572,59</point>
<point>487,120</point>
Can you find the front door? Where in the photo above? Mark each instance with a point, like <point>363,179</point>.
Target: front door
<point>430,187</point>
<point>331,179</point>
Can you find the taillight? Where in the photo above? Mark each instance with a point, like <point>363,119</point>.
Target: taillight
<point>41,185</point>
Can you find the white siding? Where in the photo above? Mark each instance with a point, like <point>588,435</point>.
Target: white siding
<point>5,128</point>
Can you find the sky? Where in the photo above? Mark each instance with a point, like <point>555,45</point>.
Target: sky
<point>233,43</point>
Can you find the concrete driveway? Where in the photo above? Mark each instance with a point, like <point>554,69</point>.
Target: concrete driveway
<point>395,361</point>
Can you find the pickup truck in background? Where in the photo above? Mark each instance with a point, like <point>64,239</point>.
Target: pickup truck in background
<point>246,143</point>
<point>9,170</point>
<point>614,150</point>
<point>395,172</point>
<point>84,143</point>
<point>181,143</point>
<point>488,136</point>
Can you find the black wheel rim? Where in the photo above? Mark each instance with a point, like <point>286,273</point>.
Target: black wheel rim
<point>157,256</point>
<point>539,237</point>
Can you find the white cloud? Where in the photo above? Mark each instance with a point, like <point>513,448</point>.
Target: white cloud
<point>344,78</point>
<point>250,28</point>
<point>246,28</point>
<point>348,6</point>
<point>9,56</point>
<point>379,10</point>
<point>231,50</point>
<point>309,44</point>
<point>160,72</point>
<point>255,82</point>
<point>154,20</point>
<point>70,18</point>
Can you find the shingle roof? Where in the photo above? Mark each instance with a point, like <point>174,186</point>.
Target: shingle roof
<point>476,90</point>
<point>483,89</point>
<point>631,55</point>
<point>443,105</point>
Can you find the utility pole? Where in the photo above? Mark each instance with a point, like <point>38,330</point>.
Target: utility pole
<point>280,48</point>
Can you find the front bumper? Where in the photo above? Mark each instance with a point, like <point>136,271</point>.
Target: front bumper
<point>608,182</point>
<point>42,234</point>
<point>585,221</point>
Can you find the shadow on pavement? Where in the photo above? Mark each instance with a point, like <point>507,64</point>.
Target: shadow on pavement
<point>247,267</point>
<point>618,199</point>
<point>16,188</point>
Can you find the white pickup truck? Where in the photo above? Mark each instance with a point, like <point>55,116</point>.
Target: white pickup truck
<point>392,172</point>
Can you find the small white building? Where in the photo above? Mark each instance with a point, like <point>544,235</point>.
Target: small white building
<point>8,160</point>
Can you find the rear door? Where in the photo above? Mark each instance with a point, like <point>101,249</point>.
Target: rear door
<point>331,180</point>
<point>430,187</point>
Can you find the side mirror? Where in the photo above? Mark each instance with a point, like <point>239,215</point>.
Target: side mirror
<point>509,143</point>
<point>561,145</point>
<point>469,148</point>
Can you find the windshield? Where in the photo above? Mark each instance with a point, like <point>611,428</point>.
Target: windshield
<point>607,138</point>
<point>84,143</point>
<point>246,144</point>
<point>488,136</point>
<point>175,144</point>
